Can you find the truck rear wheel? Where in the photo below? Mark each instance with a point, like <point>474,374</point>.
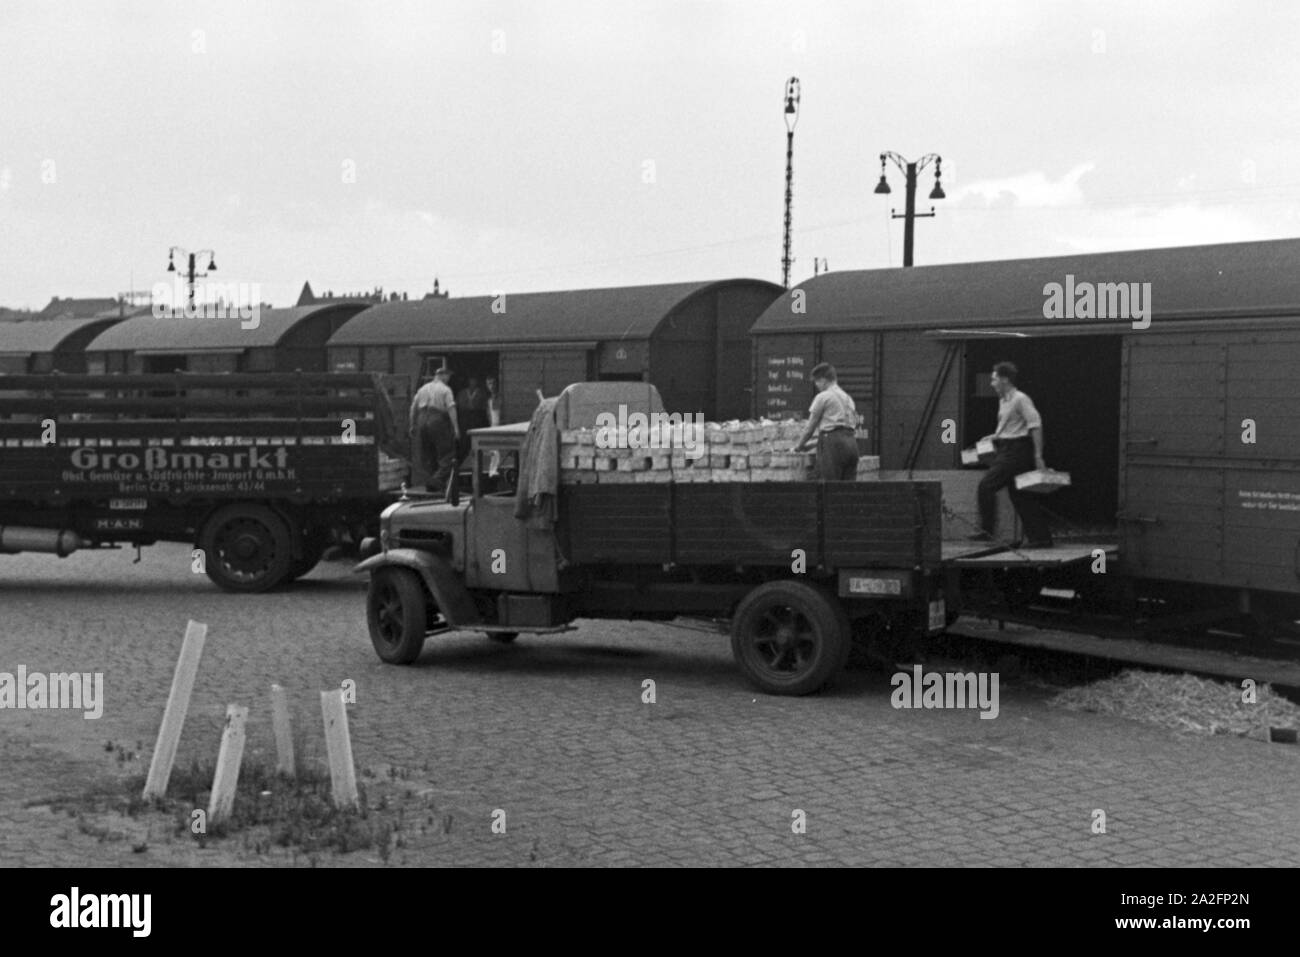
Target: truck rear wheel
<point>396,615</point>
<point>247,548</point>
<point>789,637</point>
<point>314,544</point>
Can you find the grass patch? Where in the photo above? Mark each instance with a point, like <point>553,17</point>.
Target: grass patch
<point>275,811</point>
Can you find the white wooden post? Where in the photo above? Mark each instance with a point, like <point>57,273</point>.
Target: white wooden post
<point>284,762</point>
<point>339,747</point>
<point>178,703</point>
<point>226,778</point>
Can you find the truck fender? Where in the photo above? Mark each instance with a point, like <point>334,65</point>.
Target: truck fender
<point>440,578</point>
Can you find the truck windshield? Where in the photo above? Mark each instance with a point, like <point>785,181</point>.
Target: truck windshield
<point>498,471</point>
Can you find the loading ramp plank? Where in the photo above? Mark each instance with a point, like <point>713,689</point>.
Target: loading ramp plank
<point>977,555</point>
<point>1181,658</point>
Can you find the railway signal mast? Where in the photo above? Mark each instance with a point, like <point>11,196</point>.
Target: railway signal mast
<point>909,214</point>
<point>791,118</point>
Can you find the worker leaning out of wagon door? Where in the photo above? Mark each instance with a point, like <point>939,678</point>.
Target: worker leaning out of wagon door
<point>1018,443</point>
<point>435,432</point>
<point>833,422</point>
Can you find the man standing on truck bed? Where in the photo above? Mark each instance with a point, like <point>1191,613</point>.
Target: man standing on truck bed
<point>1018,442</point>
<point>833,418</point>
<point>434,429</point>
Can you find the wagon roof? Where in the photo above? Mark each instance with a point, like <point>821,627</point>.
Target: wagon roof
<point>149,333</point>
<point>26,337</point>
<point>620,312</point>
<point>1230,279</point>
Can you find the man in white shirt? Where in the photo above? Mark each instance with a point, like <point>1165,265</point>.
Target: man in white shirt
<point>434,429</point>
<point>1019,445</point>
<point>833,420</point>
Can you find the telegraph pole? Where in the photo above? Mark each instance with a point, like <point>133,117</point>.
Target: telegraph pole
<point>910,170</point>
<point>791,118</point>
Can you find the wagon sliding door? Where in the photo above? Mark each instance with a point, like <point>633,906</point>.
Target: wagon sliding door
<point>523,373</point>
<point>1211,458</point>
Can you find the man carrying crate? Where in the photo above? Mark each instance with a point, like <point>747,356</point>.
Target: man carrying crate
<point>1018,443</point>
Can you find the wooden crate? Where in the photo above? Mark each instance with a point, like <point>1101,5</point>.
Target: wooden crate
<point>1042,481</point>
<point>982,452</point>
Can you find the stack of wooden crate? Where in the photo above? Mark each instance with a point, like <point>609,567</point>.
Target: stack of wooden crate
<point>392,471</point>
<point>736,451</point>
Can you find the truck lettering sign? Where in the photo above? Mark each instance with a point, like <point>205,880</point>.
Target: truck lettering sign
<point>119,524</point>
<point>124,504</point>
<point>155,459</point>
<point>159,471</point>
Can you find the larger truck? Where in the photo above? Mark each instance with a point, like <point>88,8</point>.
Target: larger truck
<point>260,472</point>
<point>794,567</point>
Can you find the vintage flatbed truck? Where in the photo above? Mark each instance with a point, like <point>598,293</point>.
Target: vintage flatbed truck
<point>259,471</point>
<point>793,566</point>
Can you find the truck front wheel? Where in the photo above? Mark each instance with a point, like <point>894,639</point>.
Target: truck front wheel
<point>789,637</point>
<point>246,548</point>
<point>396,614</point>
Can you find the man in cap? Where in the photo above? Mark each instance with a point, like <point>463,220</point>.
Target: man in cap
<point>434,429</point>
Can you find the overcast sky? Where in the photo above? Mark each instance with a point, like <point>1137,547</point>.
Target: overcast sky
<point>550,145</point>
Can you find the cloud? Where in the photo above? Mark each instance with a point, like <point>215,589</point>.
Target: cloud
<point>1135,227</point>
<point>1029,189</point>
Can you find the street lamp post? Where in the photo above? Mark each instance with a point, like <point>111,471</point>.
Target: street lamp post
<point>791,118</point>
<point>191,273</point>
<point>909,213</point>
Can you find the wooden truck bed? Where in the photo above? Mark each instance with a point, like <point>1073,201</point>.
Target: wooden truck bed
<point>837,524</point>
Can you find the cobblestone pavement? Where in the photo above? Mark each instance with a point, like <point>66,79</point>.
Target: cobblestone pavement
<point>553,731</point>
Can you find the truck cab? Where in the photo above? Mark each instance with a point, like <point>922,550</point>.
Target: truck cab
<point>463,560</point>
<point>474,531</point>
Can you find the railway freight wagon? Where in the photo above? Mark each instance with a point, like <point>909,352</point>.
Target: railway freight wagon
<point>48,345</point>
<point>1166,380</point>
<point>691,340</point>
<point>270,340</point>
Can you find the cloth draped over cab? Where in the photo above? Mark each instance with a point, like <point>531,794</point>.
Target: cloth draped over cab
<point>539,466</point>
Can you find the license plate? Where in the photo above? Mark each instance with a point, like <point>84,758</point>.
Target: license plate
<point>127,504</point>
<point>875,586</point>
<point>938,615</point>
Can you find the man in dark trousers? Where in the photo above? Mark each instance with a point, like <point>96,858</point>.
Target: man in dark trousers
<point>472,411</point>
<point>833,420</point>
<point>1018,443</point>
<point>435,432</point>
